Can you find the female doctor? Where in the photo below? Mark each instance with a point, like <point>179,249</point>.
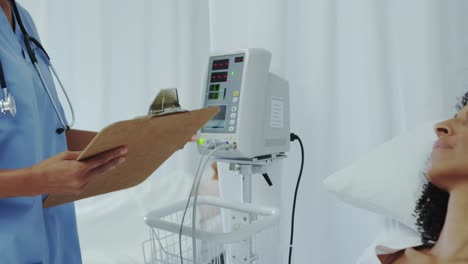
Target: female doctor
<point>33,157</point>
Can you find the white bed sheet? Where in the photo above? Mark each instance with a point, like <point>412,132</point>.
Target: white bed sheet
<point>393,238</point>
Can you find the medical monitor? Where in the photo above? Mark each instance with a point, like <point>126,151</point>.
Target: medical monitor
<point>253,103</point>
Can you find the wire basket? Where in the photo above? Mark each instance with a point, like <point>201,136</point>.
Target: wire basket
<point>225,232</point>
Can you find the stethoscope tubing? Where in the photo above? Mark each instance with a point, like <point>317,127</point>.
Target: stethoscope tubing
<point>72,123</point>
<point>2,77</point>
<point>46,88</point>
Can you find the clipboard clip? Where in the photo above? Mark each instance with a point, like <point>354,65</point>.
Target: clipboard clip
<point>166,102</point>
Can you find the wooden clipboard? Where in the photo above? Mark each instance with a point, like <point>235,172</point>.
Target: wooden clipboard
<point>150,142</point>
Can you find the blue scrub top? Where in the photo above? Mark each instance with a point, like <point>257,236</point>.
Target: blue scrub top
<point>28,232</point>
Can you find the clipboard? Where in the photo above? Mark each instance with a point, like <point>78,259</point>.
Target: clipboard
<point>150,141</point>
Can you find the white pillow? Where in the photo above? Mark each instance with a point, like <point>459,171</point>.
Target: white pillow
<point>389,179</point>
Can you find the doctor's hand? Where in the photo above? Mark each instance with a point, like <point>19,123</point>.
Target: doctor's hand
<point>63,175</point>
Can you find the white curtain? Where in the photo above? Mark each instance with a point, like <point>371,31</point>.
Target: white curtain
<point>360,72</point>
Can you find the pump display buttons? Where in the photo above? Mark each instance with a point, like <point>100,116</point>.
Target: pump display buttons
<point>231,128</point>
<point>236,93</point>
<point>234,109</point>
<point>232,122</point>
<point>233,115</point>
<point>235,99</point>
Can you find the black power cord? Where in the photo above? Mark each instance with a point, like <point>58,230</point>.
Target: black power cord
<point>295,137</point>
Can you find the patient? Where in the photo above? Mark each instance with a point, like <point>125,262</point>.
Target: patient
<point>442,210</point>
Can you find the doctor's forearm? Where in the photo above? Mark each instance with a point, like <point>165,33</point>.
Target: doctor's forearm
<point>16,183</point>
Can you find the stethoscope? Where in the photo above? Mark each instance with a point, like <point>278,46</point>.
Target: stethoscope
<point>7,104</point>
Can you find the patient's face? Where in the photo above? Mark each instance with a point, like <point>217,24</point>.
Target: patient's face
<point>449,159</point>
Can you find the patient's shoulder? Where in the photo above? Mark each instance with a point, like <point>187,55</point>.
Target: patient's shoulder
<point>408,256</point>
<point>391,258</point>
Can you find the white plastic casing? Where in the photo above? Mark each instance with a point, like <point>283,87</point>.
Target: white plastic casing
<point>262,117</point>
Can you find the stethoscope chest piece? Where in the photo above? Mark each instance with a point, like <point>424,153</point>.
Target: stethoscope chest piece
<point>8,104</point>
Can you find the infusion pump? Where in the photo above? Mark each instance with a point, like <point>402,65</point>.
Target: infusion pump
<point>253,104</point>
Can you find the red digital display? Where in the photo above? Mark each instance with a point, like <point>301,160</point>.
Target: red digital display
<point>239,59</point>
<point>220,65</point>
<point>219,77</point>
